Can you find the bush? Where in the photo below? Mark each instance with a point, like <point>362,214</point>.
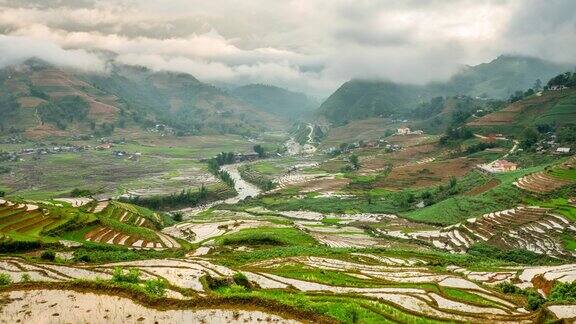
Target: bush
<point>25,278</point>
<point>48,255</point>
<point>84,258</point>
<point>177,216</point>
<point>217,282</point>
<point>130,276</point>
<point>508,288</point>
<point>81,193</point>
<point>156,287</point>
<point>5,279</point>
<point>535,300</point>
<point>563,292</point>
<point>241,280</point>
<point>516,255</point>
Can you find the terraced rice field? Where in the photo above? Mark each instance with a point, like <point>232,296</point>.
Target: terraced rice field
<point>199,232</point>
<point>531,228</point>
<point>541,182</point>
<point>53,306</point>
<point>393,281</point>
<point>103,234</point>
<point>141,229</point>
<point>75,202</point>
<point>545,181</point>
<point>25,219</point>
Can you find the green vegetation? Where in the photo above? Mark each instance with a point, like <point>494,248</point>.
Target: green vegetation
<point>5,280</point>
<point>459,294</point>
<point>129,276</point>
<point>277,101</point>
<point>185,198</point>
<point>248,173</point>
<point>48,255</point>
<point>516,256</point>
<point>343,309</point>
<point>563,292</point>
<point>267,236</point>
<point>100,253</point>
<point>64,110</point>
<point>329,277</point>
<point>458,208</point>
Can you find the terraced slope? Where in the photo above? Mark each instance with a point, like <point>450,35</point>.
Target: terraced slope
<point>531,228</point>
<point>26,221</point>
<point>552,107</point>
<point>381,277</point>
<point>130,226</point>
<point>550,180</point>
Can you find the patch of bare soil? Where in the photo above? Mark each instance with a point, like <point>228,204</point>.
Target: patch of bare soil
<point>483,188</point>
<point>427,174</point>
<point>60,306</point>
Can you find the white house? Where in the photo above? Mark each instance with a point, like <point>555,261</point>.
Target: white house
<point>558,87</point>
<point>403,131</point>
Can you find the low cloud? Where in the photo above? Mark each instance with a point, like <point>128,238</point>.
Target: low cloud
<point>305,45</point>
<point>15,50</point>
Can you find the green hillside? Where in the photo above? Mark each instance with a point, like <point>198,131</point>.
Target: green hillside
<point>553,108</point>
<point>498,79</point>
<point>275,100</point>
<point>41,100</point>
<point>359,99</point>
<point>503,76</point>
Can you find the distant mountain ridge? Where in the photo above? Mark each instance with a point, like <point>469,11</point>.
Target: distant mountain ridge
<point>43,100</point>
<point>500,78</point>
<point>275,100</point>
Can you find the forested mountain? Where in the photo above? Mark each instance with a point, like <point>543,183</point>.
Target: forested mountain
<point>503,76</point>
<point>43,100</point>
<point>275,100</point>
<point>498,79</point>
<point>358,99</point>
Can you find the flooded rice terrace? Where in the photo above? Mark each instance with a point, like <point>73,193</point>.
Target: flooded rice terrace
<point>66,306</point>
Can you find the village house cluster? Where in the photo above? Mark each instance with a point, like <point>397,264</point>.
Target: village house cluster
<point>407,131</point>
<point>549,144</point>
<point>499,166</point>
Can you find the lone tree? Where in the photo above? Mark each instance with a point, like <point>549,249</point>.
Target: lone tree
<point>260,150</point>
<point>355,162</point>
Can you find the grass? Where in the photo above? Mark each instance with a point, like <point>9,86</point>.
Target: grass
<point>569,241</point>
<point>101,172</point>
<point>468,297</point>
<point>329,277</point>
<point>560,205</point>
<point>267,236</point>
<point>100,253</point>
<point>568,174</point>
<point>141,232</point>
<point>341,308</point>
<point>459,208</point>
<point>239,258</point>
<point>330,221</point>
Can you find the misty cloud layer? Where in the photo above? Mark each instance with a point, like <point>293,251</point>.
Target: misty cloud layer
<point>305,45</point>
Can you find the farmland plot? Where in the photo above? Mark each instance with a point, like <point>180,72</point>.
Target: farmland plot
<point>531,228</point>
<point>549,180</point>
<point>54,306</point>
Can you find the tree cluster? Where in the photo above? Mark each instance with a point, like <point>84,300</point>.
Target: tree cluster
<point>183,198</point>
<point>567,79</point>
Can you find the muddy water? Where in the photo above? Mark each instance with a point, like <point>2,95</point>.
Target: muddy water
<point>244,189</point>
<point>61,306</point>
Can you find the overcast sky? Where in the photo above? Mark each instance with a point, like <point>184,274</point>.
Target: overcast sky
<point>304,45</point>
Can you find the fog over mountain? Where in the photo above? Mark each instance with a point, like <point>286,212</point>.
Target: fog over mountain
<point>293,44</point>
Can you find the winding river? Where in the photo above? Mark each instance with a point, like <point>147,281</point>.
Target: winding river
<point>243,188</point>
